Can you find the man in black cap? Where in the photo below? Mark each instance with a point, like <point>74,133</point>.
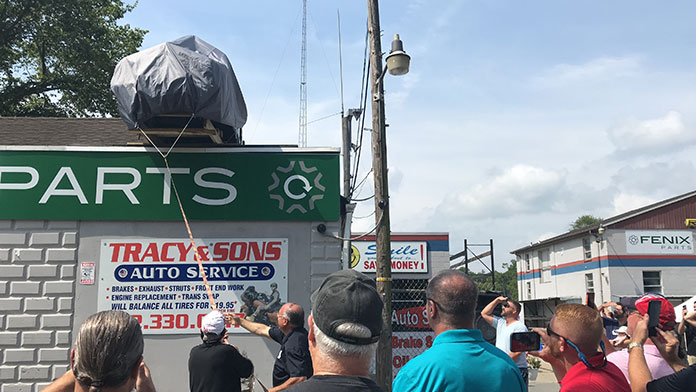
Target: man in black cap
<point>344,328</point>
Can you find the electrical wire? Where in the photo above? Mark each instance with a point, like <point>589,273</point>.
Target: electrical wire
<point>323,118</point>
<point>280,63</point>
<point>358,237</point>
<point>323,52</point>
<point>363,106</point>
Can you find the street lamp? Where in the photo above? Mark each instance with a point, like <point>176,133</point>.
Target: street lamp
<point>397,60</point>
<point>397,64</point>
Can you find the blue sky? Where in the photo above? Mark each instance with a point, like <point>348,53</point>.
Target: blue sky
<point>516,118</point>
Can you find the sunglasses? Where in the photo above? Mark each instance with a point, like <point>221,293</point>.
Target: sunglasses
<point>506,305</point>
<point>434,302</point>
<point>581,356</point>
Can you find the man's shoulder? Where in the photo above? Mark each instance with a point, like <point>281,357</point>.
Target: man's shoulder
<point>298,337</point>
<point>336,383</point>
<point>518,326</point>
<point>606,379</point>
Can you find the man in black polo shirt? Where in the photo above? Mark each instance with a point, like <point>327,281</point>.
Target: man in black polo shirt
<point>293,363</point>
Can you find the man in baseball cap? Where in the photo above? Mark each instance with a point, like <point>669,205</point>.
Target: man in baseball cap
<point>216,365</point>
<point>344,327</point>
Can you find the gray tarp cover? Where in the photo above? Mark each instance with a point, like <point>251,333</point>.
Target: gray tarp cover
<point>186,76</point>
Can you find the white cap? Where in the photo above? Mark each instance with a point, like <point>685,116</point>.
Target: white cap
<point>622,329</point>
<point>213,322</point>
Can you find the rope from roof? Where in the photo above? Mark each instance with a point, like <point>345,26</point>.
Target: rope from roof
<point>181,207</point>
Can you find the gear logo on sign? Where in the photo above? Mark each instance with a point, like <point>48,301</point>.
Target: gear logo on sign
<point>633,240</point>
<point>292,189</point>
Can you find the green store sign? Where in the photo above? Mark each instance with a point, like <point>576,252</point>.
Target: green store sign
<point>134,184</point>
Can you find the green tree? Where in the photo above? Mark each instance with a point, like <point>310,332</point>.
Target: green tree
<point>505,282</point>
<point>57,56</point>
<point>584,221</point>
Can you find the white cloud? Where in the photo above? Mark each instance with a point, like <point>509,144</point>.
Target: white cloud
<point>597,70</point>
<point>624,202</point>
<point>660,134</point>
<point>518,190</point>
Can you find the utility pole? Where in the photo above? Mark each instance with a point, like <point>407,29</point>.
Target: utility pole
<point>492,266</point>
<point>379,165</point>
<point>348,207</point>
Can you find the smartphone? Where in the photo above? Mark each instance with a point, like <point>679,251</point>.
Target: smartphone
<point>525,341</point>
<point>589,300</point>
<point>654,313</point>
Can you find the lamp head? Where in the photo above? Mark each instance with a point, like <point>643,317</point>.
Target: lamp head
<point>397,60</point>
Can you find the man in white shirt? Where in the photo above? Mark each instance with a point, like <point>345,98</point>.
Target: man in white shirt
<point>505,325</point>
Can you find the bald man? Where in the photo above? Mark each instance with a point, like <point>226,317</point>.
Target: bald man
<point>571,344</point>
<point>293,363</point>
<point>459,359</point>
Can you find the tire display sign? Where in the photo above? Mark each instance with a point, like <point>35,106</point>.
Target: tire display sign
<point>406,256</point>
<point>134,184</point>
<point>159,282</point>
<point>667,242</point>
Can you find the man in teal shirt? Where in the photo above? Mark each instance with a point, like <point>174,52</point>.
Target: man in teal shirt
<point>459,360</point>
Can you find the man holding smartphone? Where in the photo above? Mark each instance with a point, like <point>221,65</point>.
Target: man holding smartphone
<point>505,325</point>
<point>688,325</point>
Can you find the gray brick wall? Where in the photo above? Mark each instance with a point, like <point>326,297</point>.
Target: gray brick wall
<point>325,253</point>
<point>37,275</point>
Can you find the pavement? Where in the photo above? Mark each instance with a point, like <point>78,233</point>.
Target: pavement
<point>545,381</point>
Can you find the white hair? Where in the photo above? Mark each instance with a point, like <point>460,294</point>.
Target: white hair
<point>336,349</point>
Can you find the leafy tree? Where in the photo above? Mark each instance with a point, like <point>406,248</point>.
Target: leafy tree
<point>505,282</point>
<point>584,221</point>
<point>57,56</point>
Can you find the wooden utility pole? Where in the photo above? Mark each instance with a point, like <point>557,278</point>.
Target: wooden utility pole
<point>379,165</point>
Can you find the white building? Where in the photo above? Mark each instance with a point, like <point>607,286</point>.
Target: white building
<point>649,249</point>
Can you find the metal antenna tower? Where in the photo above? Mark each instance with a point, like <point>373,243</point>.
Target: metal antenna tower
<point>303,80</point>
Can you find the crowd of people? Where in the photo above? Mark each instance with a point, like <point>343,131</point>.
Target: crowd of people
<point>608,348</point>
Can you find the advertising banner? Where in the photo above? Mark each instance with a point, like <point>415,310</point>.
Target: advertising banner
<point>662,242</point>
<point>136,185</point>
<point>411,333</point>
<point>159,282</point>
<point>406,256</point>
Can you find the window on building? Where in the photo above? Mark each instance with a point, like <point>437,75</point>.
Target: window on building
<point>544,258</point>
<point>589,283</point>
<point>652,282</point>
<point>546,275</point>
<point>587,248</point>
<point>526,262</point>
<point>529,290</point>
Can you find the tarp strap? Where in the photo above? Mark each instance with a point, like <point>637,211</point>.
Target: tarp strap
<point>183,213</point>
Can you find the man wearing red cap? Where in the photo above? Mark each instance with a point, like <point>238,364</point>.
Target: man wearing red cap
<point>657,365</point>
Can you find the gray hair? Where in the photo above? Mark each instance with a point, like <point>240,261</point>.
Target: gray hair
<point>337,349</point>
<point>108,346</point>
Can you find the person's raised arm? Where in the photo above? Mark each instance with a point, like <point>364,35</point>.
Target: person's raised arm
<point>545,354</point>
<point>668,345</point>
<point>487,312</point>
<point>65,383</point>
<point>638,372</point>
<point>253,327</point>
<point>144,381</point>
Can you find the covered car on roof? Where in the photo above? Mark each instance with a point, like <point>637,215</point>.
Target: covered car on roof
<point>187,76</point>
